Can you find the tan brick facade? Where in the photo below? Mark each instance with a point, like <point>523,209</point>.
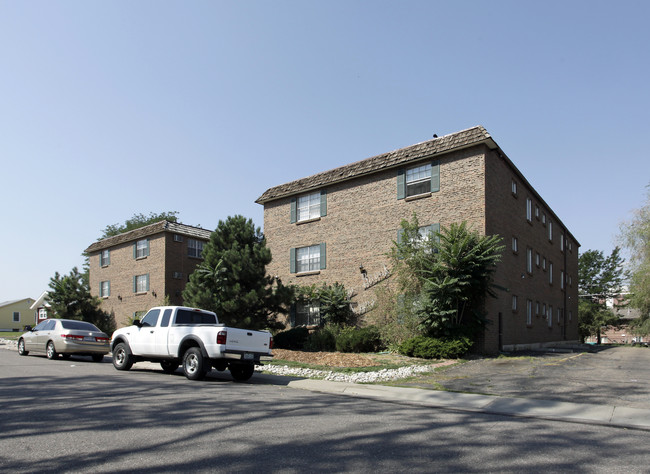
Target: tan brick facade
<point>364,213</point>
<point>167,267</point>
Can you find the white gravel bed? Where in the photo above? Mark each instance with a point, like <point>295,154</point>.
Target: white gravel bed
<point>382,375</point>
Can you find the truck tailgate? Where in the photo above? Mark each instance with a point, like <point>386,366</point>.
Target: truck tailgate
<point>247,341</point>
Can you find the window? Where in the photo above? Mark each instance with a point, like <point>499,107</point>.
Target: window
<point>537,308</point>
<point>570,315</point>
<point>529,210</point>
<point>550,231</point>
<point>536,211</point>
<point>515,244</point>
<point>42,313</point>
<point>307,259</point>
<point>307,314</point>
<point>562,279</point>
<point>544,218</point>
<point>550,316</point>
<point>165,319</point>
<point>177,275</point>
<point>104,289</point>
<point>513,187</point>
<point>544,263</point>
<point>194,248</point>
<point>425,233</point>
<point>529,312</point>
<point>105,258</point>
<point>561,243</point>
<point>178,238</point>
<point>550,273</point>
<point>559,315</point>
<point>418,180</point>
<point>537,259</point>
<point>141,283</point>
<point>141,249</point>
<point>544,310</point>
<point>514,302</point>
<point>308,207</point>
<point>529,260</point>
<point>151,318</point>
<point>16,316</point>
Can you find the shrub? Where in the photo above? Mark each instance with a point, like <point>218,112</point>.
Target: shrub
<point>322,340</point>
<point>432,348</point>
<point>294,339</point>
<point>366,339</point>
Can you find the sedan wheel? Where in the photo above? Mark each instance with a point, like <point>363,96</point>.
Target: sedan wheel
<point>51,351</point>
<point>21,348</point>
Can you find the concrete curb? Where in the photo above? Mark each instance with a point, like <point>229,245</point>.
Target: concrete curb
<point>586,413</point>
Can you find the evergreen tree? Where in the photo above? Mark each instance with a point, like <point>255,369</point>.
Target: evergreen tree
<point>232,279</point>
<point>69,298</point>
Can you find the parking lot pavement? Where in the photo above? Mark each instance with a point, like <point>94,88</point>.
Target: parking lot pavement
<point>609,387</point>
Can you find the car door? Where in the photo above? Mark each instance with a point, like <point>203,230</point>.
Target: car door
<point>161,332</point>
<point>30,337</point>
<point>143,340</point>
<point>43,335</point>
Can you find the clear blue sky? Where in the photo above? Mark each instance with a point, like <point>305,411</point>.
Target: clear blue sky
<point>108,109</point>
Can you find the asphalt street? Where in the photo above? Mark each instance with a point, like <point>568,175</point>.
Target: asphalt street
<point>80,416</point>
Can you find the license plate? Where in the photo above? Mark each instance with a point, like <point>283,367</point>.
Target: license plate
<point>248,356</point>
<point>89,338</point>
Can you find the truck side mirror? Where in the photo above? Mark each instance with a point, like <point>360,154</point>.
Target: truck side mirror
<point>136,322</point>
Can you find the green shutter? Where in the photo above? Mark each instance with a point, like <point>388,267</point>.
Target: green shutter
<point>294,210</point>
<point>435,176</point>
<point>135,249</point>
<point>135,284</point>
<point>323,203</point>
<point>401,184</point>
<point>323,259</point>
<point>292,260</point>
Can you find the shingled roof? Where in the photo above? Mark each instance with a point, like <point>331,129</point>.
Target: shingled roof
<point>454,141</point>
<point>151,229</point>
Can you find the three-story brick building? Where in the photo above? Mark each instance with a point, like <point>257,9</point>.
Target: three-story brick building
<point>339,225</point>
<point>136,270</point>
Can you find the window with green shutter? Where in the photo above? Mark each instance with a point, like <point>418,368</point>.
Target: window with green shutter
<point>308,259</point>
<point>418,180</point>
<point>141,249</point>
<point>308,206</point>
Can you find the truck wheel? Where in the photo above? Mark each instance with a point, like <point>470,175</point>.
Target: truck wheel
<point>122,358</point>
<point>50,351</point>
<point>194,365</point>
<point>169,366</point>
<point>242,372</point>
<point>21,348</point>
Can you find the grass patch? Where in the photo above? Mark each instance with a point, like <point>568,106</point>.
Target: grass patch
<point>13,335</point>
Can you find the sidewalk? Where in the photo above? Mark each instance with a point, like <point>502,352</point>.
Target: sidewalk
<point>605,415</point>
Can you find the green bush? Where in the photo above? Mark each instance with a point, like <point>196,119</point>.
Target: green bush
<point>323,340</point>
<point>432,348</point>
<point>366,339</point>
<point>294,339</point>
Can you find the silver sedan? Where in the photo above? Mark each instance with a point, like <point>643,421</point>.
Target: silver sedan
<point>65,336</point>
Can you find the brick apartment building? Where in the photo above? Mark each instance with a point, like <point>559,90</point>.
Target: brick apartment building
<point>133,271</point>
<point>330,226</point>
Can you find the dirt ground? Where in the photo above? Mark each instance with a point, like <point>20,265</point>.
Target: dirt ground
<point>340,359</point>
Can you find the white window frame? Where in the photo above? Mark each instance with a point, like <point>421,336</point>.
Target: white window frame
<point>308,207</point>
<point>307,314</point>
<point>308,259</point>
<point>141,283</point>
<point>195,248</point>
<point>104,258</point>
<point>104,289</point>
<point>141,248</point>
<point>417,176</point>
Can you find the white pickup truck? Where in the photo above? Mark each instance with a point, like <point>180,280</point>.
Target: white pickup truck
<point>193,338</point>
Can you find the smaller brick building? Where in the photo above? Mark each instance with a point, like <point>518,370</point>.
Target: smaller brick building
<point>133,271</point>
